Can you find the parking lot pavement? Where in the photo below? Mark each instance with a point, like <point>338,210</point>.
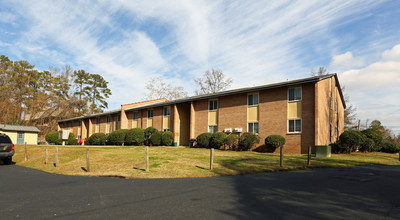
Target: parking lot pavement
<point>366,192</point>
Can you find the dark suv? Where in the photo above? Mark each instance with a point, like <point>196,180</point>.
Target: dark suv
<point>6,149</point>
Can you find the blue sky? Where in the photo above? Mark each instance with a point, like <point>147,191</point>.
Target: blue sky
<point>253,42</point>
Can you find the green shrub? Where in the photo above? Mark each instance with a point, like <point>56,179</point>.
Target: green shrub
<point>167,138</point>
<point>97,139</point>
<point>155,138</point>
<point>350,140</point>
<point>376,136</point>
<point>52,138</point>
<point>274,141</point>
<point>217,140</point>
<point>232,141</point>
<point>203,140</point>
<point>135,137</point>
<point>390,148</point>
<point>368,145</point>
<point>117,137</point>
<point>147,134</point>
<point>336,148</point>
<point>247,141</point>
<point>71,140</point>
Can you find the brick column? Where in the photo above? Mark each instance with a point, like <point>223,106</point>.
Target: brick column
<point>176,125</point>
<point>192,121</point>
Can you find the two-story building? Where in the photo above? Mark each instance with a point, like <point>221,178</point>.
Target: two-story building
<point>308,111</point>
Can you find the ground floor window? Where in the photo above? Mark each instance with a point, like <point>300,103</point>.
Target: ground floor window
<point>294,125</point>
<point>213,128</point>
<point>20,135</point>
<point>253,127</point>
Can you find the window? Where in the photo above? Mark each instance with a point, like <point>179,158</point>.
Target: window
<point>79,124</point>
<point>135,116</point>
<point>20,135</point>
<point>79,137</point>
<point>149,113</point>
<point>97,121</point>
<point>213,128</point>
<point>252,99</point>
<point>213,105</point>
<point>119,118</point>
<point>108,120</point>
<point>295,94</point>
<point>71,124</point>
<point>294,125</point>
<point>64,125</point>
<point>166,129</point>
<point>167,111</point>
<point>253,127</point>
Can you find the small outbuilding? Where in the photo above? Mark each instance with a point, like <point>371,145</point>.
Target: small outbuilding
<point>20,134</point>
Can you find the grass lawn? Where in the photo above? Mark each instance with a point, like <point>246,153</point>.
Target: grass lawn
<point>170,162</point>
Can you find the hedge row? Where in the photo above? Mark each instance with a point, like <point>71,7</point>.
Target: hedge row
<point>136,137</point>
<point>220,140</point>
<point>368,140</point>
<point>52,138</point>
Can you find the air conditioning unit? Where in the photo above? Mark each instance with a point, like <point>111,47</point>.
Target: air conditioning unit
<point>228,130</point>
<point>63,134</point>
<point>238,129</point>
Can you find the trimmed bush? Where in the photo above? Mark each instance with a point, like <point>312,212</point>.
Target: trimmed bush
<point>376,136</point>
<point>390,148</point>
<point>247,141</point>
<point>167,138</point>
<point>274,141</point>
<point>135,137</point>
<point>71,140</point>
<point>117,137</point>
<point>97,139</point>
<point>350,140</point>
<point>217,140</point>
<point>52,138</point>
<point>155,138</point>
<point>232,141</point>
<point>203,140</point>
<point>147,134</point>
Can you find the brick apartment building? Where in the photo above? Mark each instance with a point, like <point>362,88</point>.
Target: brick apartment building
<point>308,111</point>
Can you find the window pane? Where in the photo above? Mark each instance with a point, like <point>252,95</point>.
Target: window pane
<point>256,128</point>
<point>215,105</point>
<point>255,99</point>
<point>250,100</point>
<point>291,94</point>
<point>291,125</point>
<point>297,95</point>
<point>298,125</point>
<point>135,115</point>
<point>251,129</point>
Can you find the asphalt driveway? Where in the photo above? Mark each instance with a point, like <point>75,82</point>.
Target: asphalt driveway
<point>368,192</point>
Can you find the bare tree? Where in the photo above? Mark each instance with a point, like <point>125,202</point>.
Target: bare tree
<point>321,71</point>
<point>157,88</point>
<point>212,81</point>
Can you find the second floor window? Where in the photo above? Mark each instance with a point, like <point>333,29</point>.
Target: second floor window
<point>135,116</point>
<point>294,94</point>
<point>213,105</point>
<point>167,111</point>
<point>252,99</point>
<point>108,120</point>
<point>149,113</point>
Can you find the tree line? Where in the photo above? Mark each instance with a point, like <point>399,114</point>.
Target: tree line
<point>41,98</point>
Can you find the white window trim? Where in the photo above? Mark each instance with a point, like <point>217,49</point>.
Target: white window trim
<point>301,94</point>
<point>248,95</point>
<point>253,127</point>
<point>295,132</point>
<point>214,110</point>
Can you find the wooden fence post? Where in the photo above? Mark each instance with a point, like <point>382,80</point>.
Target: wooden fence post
<point>211,158</point>
<point>147,159</point>
<point>56,155</point>
<point>281,156</point>
<point>87,160</point>
<point>26,153</point>
<point>46,158</point>
<point>309,156</point>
